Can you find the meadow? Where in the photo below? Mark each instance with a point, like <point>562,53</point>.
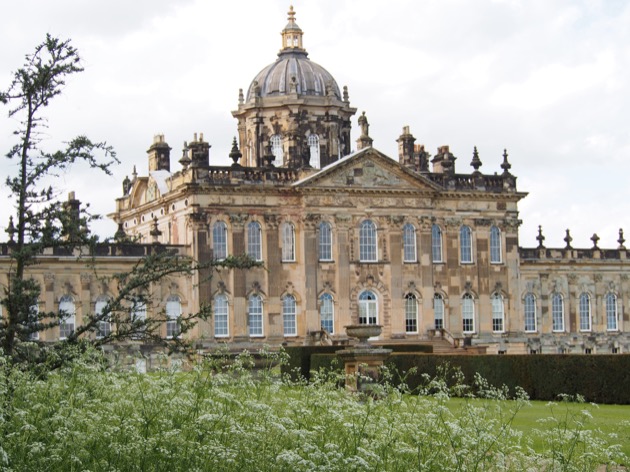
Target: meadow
<point>227,416</point>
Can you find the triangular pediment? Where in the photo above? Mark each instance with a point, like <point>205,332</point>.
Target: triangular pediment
<point>368,169</point>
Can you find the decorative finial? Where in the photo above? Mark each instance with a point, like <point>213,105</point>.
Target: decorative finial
<point>241,98</point>
<point>269,157</point>
<point>346,97</point>
<point>506,166</point>
<point>476,162</point>
<point>185,160</point>
<point>568,239</point>
<point>291,14</point>
<point>134,174</point>
<point>595,239</point>
<point>11,230</point>
<point>120,234</point>
<point>540,238</point>
<point>155,232</point>
<point>621,240</point>
<point>235,154</point>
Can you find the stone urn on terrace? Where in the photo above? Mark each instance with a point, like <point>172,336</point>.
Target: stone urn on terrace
<point>363,360</point>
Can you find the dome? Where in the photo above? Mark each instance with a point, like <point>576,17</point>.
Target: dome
<point>293,71</point>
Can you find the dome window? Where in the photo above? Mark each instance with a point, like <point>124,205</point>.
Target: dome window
<point>313,145</point>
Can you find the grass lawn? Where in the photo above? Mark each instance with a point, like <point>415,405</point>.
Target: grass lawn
<point>609,419</point>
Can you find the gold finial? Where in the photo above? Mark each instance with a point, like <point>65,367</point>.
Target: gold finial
<point>291,14</point>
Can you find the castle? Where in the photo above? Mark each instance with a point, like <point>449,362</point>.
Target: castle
<point>415,244</point>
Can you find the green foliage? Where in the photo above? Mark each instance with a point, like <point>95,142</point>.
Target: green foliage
<point>224,416</point>
<point>45,224</point>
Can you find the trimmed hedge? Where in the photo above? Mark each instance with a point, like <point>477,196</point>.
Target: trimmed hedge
<point>598,378</point>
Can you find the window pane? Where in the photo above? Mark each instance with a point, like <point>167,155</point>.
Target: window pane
<point>254,241</point>
<point>468,314</point>
<point>276,150</point>
<point>368,308</point>
<point>325,242</point>
<point>557,312</point>
<point>255,316</point>
<point>530,312</point>
<point>326,312</point>
<point>438,311</point>
<point>219,240</point>
<point>288,242</point>
<point>611,312</point>
<point>288,316</point>
<point>313,146</point>
<point>498,314</point>
<point>138,315</point>
<point>465,244</point>
<point>221,325</point>
<point>495,244</point>
<point>409,243</point>
<point>585,312</point>
<point>173,312</point>
<point>103,326</point>
<point>436,243</point>
<point>67,313</point>
<point>411,314</point>
<point>367,241</point>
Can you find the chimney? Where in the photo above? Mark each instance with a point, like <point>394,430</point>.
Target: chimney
<point>199,152</point>
<point>71,219</point>
<point>406,148</point>
<point>159,154</point>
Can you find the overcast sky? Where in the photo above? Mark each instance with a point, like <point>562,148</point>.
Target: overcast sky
<point>546,79</point>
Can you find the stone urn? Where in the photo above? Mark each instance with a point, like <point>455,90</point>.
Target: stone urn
<point>363,332</point>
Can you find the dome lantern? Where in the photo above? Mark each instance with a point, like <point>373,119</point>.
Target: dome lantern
<point>291,34</point>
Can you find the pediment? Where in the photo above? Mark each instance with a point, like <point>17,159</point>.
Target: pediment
<point>368,169</point>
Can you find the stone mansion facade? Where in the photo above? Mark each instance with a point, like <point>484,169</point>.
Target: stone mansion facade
<point>417,244</point>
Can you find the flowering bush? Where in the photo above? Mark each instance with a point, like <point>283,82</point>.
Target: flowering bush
<point>226,416</point>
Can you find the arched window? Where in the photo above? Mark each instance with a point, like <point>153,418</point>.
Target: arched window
<point>436,243</point>
<point>368,308</point>
<point>468,313</point>
<point>367,241</point>
<point>498,313</point>
<point>530,312</point>
<point>254,241</point>
<point>138,316</point>
<point>276,150</point>
<point>327,312</point>
<point>255,315</point>
<point>313,146</point>
<point>219,240</point>
<point>325,241</point>
<point>289,323</point>
<point>465,245</point>
<point>557,312</point>
<point>611,312</point>
<point>411,313</point>
<point>585,312</point>
<point>409,243</point>
<point>173,312</point>
<point>438,311</point>
<point>288,242</point>
<point>221,323</point>
<point>103,326</point>
<point>495,245</point>
<point>67,313</point>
